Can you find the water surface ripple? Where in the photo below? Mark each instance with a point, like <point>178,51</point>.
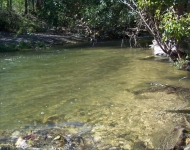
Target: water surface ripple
<point>89,85</point>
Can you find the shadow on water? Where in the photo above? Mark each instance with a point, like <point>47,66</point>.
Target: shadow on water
<point>157,59</point>
<point>179,111</point>
<point>181,92</point>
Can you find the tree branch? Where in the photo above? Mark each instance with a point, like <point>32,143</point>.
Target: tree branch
<point>139,13</point>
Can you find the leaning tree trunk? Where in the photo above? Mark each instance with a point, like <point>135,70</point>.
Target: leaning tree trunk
<point>152,26</point>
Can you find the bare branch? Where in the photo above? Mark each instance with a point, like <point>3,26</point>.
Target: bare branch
<point>133,7</point>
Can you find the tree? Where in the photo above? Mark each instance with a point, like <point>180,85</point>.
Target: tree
<point>25,6</point>
<point>165,22</point>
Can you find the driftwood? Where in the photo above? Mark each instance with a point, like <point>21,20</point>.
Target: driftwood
<point>93,39</point>
<point>92,35</point>
<point>132,33</point>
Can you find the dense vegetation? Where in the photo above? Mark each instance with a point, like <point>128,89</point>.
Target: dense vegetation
<point>39,16</point>
<point>167,20</point>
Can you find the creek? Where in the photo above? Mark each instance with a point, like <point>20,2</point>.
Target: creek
<point>93,85</point>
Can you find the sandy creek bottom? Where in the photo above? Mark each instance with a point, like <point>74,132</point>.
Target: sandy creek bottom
<point>103,90</point>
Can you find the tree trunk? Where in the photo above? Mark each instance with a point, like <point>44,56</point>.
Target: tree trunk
<point>26,6</point>
<point>1,4</point>
<point>180,9</point>
<point>10,5</point>
<point>39,4</point>
<point>33,6</point>
<point>152,27</point>
<point>188,6</point>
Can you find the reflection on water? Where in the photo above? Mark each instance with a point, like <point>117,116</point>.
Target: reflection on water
<point>90,85</point>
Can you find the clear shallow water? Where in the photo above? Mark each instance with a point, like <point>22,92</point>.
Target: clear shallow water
<point>77,84</point>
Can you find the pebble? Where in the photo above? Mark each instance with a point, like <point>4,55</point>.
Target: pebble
<point>113,148</point>
<point>127,146</point>
<point>15,134</point>
<point>21,144</point>
<point>187,147</point>
<point>121,142</point>
<point>88,141</point>
<point>97,138</point>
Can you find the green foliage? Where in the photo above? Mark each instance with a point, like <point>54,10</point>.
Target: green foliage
<point>9,20</point>
<point>108,14</point>
<point>181,64</point>
<point>8,47</point>
<point>96,14</point>
<point>31,24</point>
<point>40,44</point>
<point>52,12</point>
<point>15,22</point>
<point>174,26</point>
<point>15,47</point>
<point>24,45</point>
<point>153,3</point>
<point>171,25</point>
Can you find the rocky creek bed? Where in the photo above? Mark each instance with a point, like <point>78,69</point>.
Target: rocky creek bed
<point>161,123</point>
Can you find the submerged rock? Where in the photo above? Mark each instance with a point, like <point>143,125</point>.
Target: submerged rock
<point>15,135</point>
<point>187,147</point>
<point>157,51</point>
<point>53,120</point>
<point>154,84</point>
<point>21,143</point>
<point>6,147</point>
<point>97,138</point>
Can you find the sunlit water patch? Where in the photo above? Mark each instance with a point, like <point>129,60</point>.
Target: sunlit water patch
<point>96,86</point>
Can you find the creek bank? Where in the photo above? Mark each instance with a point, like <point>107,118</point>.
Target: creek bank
<point>11,41</point>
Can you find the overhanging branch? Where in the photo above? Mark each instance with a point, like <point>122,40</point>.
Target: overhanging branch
<point>134,8</point>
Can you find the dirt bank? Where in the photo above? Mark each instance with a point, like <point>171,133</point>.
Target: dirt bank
<point>47,38</point>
